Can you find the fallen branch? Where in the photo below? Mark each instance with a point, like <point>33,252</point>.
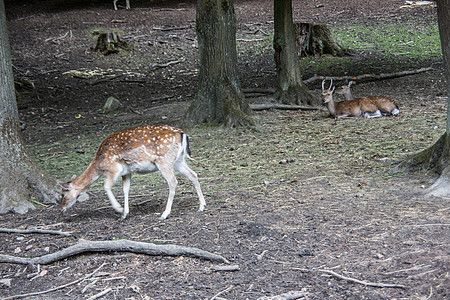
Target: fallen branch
<point>373,284</point>
<point>35,230</point>
<point>281,106</point>
<point>230,268</point>
<point>58,287</point>
<point>369,76</point>
<point>286,296</point>
<point>102,293</point>
<point>157,66</point>
<point>115,246</point>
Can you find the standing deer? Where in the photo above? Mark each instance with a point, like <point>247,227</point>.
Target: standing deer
<point>385,105</point>
<point>356,108</point>
<point>141,149</point>
<point>127,4</point>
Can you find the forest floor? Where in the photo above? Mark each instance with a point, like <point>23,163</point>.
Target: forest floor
<point>285,202</point>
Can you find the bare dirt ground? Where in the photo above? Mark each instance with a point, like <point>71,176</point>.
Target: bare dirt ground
<point>299,195</point>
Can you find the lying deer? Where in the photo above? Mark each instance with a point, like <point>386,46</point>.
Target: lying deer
<point>385,105</point>
<point>127,4</point>
<point>141,149</point>
<point>356,108</point>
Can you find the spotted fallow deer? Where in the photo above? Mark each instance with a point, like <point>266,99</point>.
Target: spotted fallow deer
<point>356,108</point>
<point>127,4</point>
<point>388,107</point>
<point>141,149</point>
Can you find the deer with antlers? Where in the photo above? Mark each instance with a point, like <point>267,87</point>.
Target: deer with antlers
<point>141,149</point>
<point>356,108</point>
<point>388,107</point>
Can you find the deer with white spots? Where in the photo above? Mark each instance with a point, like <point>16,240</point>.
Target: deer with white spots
<point>356,108</point>
<point>387,106</point>
<point>141,149</point>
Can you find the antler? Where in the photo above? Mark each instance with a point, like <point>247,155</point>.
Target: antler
<point>323,84</point>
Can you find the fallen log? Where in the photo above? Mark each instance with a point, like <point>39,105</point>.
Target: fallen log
<point>281,106</point>
<point>115,246</point>
<point>369,76</point>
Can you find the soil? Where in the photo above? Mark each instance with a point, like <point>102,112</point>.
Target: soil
<point>298,195</point>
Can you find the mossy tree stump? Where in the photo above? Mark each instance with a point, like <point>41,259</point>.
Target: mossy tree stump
<point>317,40</point>
<point>109,43</point>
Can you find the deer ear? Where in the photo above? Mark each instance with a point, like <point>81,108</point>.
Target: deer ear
<point>65,186</point>
<point>73,177</point>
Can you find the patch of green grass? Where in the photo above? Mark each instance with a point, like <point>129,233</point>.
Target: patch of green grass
<point>405,39</point>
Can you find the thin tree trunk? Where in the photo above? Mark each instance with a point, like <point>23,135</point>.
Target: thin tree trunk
<point>437,157</point>
<point>20,179</point>
<point>290,88</point>
<point>219,98</point>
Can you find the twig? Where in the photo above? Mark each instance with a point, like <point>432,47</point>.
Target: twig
<point>156,66</point>
<point>56,288</point>
<point>230,268</point>
<point>374,284</point>
<point>221,292</point>
<point>369,76</point>
<point>100,294</point>
<point>35,230</point>
<point>286,296</point>
<point>115,246</point>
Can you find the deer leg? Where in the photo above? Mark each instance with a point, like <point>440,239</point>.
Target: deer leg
<point>169,175</point>
<point>126,181</point>
<point>109,182</point>
<point>184,169</point>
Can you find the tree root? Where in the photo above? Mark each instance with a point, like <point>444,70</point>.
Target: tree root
<point>115,246</point>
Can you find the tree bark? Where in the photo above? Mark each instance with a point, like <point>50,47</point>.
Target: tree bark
<point>290,88</point>
<point>219,97</point>
<point>20,179</point>
<point>437,157</point>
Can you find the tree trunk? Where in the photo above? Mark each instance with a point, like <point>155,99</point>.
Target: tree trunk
<point>437,157</point>
<point>316,40</point>
<point>290,88</point>
<point>219,98</point>
<point>20,180</point>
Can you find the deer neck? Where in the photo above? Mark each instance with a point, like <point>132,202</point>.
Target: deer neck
<point>89,176</point>
<point>332,106</point>
<point>348,95</point>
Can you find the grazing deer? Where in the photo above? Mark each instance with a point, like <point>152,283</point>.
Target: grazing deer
<point>127,4</point>
<point>385,105</point>
<point>355,108</point>
<point>141,149</point>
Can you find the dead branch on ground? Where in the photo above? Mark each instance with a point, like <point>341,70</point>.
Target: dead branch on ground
<point>369,76</point>
<point>58,287</point>
<point>115,246</point>
<point>35,230</point>
<point>281,106</point>
<point>230,268</point>
<point>286,296</point>
<point>373,284</point>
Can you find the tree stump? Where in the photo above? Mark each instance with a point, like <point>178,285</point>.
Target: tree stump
<point>316,40</point>
<point>109,43</point>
